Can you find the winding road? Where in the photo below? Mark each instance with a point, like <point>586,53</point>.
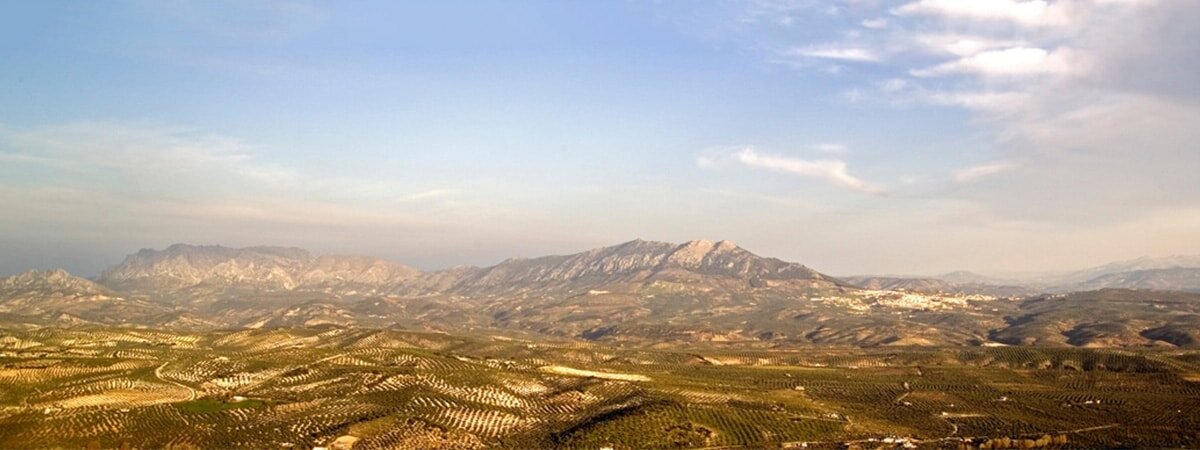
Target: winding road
<point>158,374</point>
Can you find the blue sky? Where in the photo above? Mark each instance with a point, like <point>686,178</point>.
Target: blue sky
<point>856,136</point>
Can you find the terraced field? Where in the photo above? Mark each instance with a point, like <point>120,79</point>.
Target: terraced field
<point>369,389</point>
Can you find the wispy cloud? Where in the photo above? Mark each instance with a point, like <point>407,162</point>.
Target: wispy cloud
<point>877,23</point>
<point>978,172</point>
<point>830,148</point>
<point>831,170</point>
<point>177,166</point>
<point>1009,62</point>
<point>427,195</point>
<point>1024,12</point>
<point>853,54</point>
<point>997,102</point>
<point>963,45</point>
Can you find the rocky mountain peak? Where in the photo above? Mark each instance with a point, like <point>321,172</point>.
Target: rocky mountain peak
<point>703,244</point>
<point>638,261</point>
<point>52,280</point>
<point>692,253</point>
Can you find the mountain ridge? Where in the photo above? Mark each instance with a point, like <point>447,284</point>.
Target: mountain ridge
<point>1174,279</point>
<point>640,261</point>
<point>181,266</point>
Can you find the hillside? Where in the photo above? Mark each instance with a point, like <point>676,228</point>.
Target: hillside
<point>55,297</point>
<point>1105,318</point>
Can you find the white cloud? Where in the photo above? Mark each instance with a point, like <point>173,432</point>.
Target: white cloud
<point>877,23</point>
<point>975,173</point>
<point>830,148</point>
<point>1009,62</point>
<point>831,170</point>
<point>962,45</point>
<point>853,54</point>
<point>1030,12</point>
<point>984,101</point>
<point>1080,115</point>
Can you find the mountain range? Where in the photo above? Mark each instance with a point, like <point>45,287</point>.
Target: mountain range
<point>1132,265</point>
<point>640,292</point>
<point>1170,273</point>
<point>638,264</point>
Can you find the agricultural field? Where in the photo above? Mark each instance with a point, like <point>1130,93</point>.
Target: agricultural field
<point>374,388</point>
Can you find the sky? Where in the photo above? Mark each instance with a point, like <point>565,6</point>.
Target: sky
<point>854,136</point>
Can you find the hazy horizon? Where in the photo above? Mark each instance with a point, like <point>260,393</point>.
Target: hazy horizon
<point>855,137</point>
<point>1021,277</point>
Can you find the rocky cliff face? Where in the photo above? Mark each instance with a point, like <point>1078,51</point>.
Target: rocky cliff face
<point>264,268</point>
<point>337,270</point>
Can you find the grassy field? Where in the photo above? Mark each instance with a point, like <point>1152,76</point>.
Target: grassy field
<point>298,388</point>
